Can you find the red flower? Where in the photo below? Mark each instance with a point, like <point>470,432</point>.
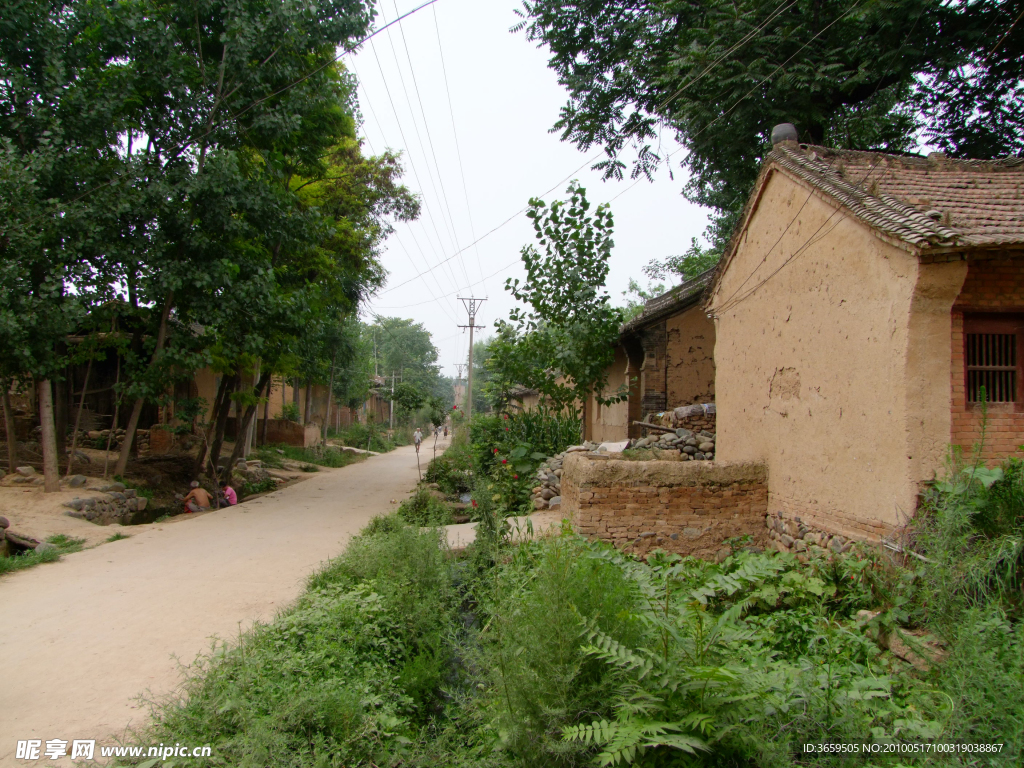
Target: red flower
<point>506,429</point>
<point>505,415</point>
<point>504,461</point>
<point>495,450</point>
<point>474,502</point>
<point>515,477</point>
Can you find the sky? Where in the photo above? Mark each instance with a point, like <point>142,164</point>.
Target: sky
<point>472,116</point>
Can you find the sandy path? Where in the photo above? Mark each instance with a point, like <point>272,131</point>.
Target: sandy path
<point>80,639</point>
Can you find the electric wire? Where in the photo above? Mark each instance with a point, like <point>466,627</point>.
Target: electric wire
<point>430,141</point>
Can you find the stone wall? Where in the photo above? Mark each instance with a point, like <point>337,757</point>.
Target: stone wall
<point>794,535</point>
<point>690,508</point>
<point>112,504</point>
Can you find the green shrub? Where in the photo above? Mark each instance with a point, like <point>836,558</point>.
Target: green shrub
<point>423,509</point>
<point>452,471</point>
<point>29,557</point>
<point>290,412</point>
<point>265,485</point>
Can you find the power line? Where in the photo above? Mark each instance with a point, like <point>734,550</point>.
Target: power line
<point>458,150</point>
<point>430,140</point>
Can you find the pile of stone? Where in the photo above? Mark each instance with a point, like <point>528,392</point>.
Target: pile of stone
<point>115,504</point>
<point>250,471</point>
<point>792,535</point>
<point>99,438</point>
<point>693,446</point>
<point>547,494</point>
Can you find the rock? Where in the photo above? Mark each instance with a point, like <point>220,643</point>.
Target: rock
<point>130,493</point>
<point>279,451</point>
<point>77,514</point>
<point>836,545</point>
<point>799,545</point>
<point>548,493</point>
<point>118,496</point>
<point>38,481</point>
<point>82,457</point>
<point>689,450</point>
<point>811,537</point>
<point>25,471</point>
<point>683,433</point>
<point>706,447</point>
<point>77,481</point>
<point>539,504</point>
<point>554,502</point>
<point>558,473</point>
<point>75,504</point>
<point>692,533</point>
<point>141,502</point>
<point>45,546</point>
<point>4,522</point>
<point>698,456</point>
<point>723,553</point>
<point>709,457</point>
<point>787,540</point>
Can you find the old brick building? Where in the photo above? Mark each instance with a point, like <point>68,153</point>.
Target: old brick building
<point>863,305</point>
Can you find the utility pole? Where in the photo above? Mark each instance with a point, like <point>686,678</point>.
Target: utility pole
<point>472,305</point>
<point>392,409</point>
<point>459,368</point>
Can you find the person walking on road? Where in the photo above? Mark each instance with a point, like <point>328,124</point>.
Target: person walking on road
<point>417,438</point>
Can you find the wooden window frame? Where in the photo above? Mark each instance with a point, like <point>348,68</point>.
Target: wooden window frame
<point>997,323</point>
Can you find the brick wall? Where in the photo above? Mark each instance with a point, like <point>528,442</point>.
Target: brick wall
<point>690,508</point>
<point>992,285</point>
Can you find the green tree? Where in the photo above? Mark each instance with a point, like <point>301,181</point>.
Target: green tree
<point>720,74</point>
<point>563,344</point>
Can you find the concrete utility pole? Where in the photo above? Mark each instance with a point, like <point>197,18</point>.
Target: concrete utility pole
<point>472,305</point>
<point>392,409</point>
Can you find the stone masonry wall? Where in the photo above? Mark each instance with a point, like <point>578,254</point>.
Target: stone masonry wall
<point>689,508</point>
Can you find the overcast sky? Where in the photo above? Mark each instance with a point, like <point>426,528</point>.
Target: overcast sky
<point>504,100</point>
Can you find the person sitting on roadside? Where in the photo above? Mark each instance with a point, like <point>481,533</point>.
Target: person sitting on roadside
<point>198,500</point>
<point>229,493</point>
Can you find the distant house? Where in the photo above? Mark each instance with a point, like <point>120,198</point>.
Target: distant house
<point>863,305</point>
<point>666,356</point>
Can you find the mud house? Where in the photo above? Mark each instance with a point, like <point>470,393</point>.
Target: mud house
<point>665,356</point>
<point>863,305</point>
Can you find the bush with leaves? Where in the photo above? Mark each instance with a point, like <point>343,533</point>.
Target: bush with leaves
<point>423,509</point>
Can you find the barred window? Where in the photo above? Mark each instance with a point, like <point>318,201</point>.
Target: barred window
<point>992,359</point>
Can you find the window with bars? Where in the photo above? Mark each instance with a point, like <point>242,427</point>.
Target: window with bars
<point>992,359</point>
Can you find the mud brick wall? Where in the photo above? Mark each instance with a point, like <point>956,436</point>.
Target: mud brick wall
<point>689,508</point>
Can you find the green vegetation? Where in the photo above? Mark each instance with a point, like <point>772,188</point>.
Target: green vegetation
<point>424,509</point>
<point>63,544</point>
<point>265,485</point>
<point>118,537</point>
<point>719,74</point>
<point>322,456</point>
<point>563,652</point>
<point>372,437</point>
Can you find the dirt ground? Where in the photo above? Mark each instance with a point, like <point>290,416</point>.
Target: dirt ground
<point>81,639</point>
<point>41,515</point>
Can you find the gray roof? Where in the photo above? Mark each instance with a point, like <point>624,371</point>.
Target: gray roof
<point>680,298</point>
<point>926,202</point>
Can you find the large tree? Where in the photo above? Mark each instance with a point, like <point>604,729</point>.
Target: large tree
<point>720,73</point>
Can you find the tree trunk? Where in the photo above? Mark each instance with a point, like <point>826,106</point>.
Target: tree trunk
<point>133,421</point>
<point>266,416</point>
<point>250,412</point>
<point>218,402</point>
<point>51,471</point>
<point>330,397</point>
<point>295,399</point>
<point>307,411</point>
<point>113,423</point>
<point>78,417</point>
<point>222,421</point>
<point>12,438</point>
<point>60,417</point>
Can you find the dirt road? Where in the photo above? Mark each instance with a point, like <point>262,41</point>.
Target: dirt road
<point>81,639</point>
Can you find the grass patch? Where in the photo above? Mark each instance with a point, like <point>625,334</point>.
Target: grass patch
<point>118,537</point>
<point>140,490</point>
<point>424,509</point>
<point>265,485</point>
<point>310,457</point>
<point>63,544</point>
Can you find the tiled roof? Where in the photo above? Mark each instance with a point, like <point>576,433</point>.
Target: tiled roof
<point>681,297</point>
<point>927,202</point>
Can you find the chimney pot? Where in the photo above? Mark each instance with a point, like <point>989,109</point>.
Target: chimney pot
<point>783,132</point>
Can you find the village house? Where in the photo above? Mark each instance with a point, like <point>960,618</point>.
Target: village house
<point>666,358</point>
<point>863,306</point>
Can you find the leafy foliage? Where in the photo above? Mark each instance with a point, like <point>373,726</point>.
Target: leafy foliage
<point>423,509</point>
<point>562,346</point>
<point>721,74</point>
